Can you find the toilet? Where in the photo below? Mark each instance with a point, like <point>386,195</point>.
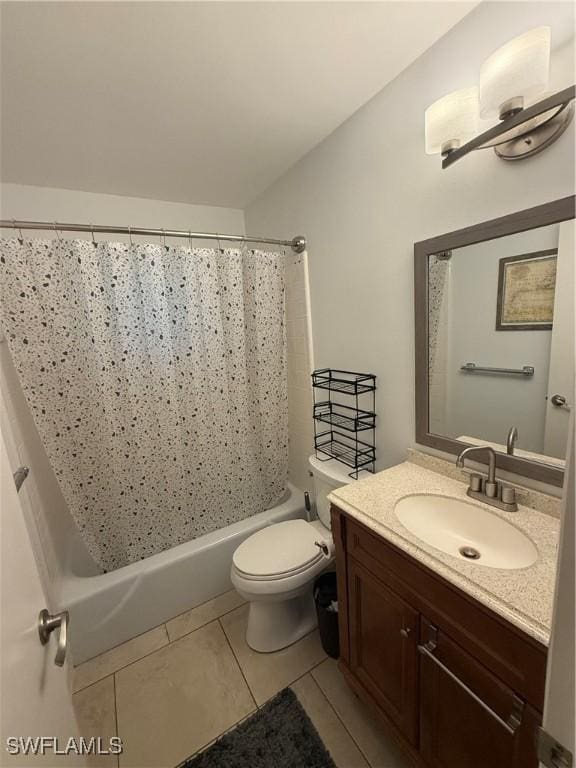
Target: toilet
<point>275,568</point>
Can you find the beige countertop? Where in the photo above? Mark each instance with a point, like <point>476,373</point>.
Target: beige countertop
<point>524,596</point>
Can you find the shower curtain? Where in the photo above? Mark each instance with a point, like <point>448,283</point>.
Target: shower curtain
<point>156,377</point>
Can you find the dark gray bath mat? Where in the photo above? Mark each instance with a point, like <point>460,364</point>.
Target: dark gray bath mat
<point>280,735</point>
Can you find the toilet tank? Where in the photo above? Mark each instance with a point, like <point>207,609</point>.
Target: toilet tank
<point>328,475</point>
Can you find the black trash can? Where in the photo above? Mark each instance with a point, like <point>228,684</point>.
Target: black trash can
<point>326,599</point>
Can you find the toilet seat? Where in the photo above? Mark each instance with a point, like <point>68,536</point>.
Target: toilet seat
<point>279,551</point>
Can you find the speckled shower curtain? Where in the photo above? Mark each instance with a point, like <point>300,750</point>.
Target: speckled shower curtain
<point>157,379</point>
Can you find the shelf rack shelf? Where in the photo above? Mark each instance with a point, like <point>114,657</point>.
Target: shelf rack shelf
<point>347,382</point>
<point>344,417</point>
<point>340,441</point>
<point>355,454</point>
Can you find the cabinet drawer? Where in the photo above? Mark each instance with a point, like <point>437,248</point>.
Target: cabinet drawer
<point>517,659</point>
<point>467,716</point>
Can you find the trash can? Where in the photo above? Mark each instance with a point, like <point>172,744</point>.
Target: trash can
<point>326,599</point>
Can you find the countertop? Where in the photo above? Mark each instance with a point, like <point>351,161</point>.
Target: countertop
<point>524,597</point>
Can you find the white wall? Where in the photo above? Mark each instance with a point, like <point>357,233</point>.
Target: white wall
<point>49,516</point>
<point>369,191</point>
<point>19,201</point>
<point>482,405</point>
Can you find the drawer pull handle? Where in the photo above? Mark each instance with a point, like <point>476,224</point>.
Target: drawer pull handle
<point>515,718</point>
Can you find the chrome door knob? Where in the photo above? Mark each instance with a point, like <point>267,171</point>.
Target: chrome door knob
<point>47,624</point>
<point>558,400</point>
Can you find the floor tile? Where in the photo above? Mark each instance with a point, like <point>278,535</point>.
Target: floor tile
<point>336,738</point>
<point>116,658</point>
<point>203,614</point>
<point>268,673</point>
<point>173,702</point>
<point>379,749</point>
<point>96,714</point>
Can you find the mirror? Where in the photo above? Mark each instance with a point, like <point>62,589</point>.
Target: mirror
<point>495,339</point>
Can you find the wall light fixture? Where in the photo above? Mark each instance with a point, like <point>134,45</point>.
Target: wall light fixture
<point>513,81</point>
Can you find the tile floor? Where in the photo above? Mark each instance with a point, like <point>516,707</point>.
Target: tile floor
<point>173,690</point>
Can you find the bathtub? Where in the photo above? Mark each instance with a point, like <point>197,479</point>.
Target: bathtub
<point>109,608</point>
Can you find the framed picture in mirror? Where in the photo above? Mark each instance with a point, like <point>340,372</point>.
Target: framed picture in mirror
<point>526,289</point>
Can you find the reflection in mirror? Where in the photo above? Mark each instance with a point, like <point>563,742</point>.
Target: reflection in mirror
<point>505,304</point>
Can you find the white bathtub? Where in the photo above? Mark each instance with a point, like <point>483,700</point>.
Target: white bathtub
<point>107,609</point>
<point>110,608</point>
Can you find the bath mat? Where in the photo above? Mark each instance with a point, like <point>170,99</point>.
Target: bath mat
<point>280,735</point>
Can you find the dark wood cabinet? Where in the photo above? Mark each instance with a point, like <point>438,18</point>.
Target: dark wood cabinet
<point>457,685</point>
<point>467,716</point>
<point>383,652</point>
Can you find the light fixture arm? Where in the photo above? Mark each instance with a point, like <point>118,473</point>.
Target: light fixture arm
<point>509,130</point>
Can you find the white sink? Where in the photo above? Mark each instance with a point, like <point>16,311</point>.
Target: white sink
<point>452,525</point>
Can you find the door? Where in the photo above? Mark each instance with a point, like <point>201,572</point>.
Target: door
<point>469,718</point>
<point>383,647</point>
<point>559,710</point>
<point>36,699</point>
<point>561,371</point>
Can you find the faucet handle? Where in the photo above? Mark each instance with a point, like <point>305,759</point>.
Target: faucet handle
<point>476,482</point>
<point>508,494</point>
<point>491,490</point>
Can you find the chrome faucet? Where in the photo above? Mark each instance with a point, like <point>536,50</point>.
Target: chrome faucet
<point>511,441</point>
<point>489,490</point>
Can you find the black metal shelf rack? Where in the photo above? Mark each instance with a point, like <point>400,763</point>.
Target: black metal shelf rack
<point>340,439</point>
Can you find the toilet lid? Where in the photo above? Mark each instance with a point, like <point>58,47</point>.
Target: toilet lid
<point>279,549</point>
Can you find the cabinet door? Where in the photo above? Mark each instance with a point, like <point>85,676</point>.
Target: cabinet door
<point>469,718</point>
<point>383,648</point>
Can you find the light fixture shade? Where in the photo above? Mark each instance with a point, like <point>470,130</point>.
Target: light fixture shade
<point>517,71</point>
<point>451,121</point>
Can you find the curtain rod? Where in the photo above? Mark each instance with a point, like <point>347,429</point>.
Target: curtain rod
<point>298,243</point>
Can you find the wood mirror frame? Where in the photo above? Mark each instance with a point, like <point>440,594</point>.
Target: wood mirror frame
<point>531,218</point>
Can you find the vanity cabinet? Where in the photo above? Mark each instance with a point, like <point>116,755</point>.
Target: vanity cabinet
<point>377,612</point>
<point>457,684</point>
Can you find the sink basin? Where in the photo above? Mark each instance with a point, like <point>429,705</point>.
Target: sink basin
<point>466,531</point>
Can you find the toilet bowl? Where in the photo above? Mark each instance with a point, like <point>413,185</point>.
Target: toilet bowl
<point>275,568</point>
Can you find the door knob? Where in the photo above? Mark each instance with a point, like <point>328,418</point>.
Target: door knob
<point>405,632</point>
<point>558,400</point>
<point>19,476</point>
<point>47,624</point>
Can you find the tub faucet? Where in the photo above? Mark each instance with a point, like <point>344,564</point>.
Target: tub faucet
<point>511,441</point>
<point>488,490</point>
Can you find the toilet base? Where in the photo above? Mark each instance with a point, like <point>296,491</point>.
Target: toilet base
<point>273,625</point>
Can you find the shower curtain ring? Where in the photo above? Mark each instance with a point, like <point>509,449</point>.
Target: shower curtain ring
<point>164,239</point>
<point>56,231</point>
<point>94,243</point>
<point>190,238</point>
<point>219,243</point>
<point>130,235</point>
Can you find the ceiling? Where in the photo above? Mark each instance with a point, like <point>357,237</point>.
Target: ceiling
<point>199,102</point>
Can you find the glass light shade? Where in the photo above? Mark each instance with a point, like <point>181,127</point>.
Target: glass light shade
<point>518,70</point>
<point>452,120</point>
